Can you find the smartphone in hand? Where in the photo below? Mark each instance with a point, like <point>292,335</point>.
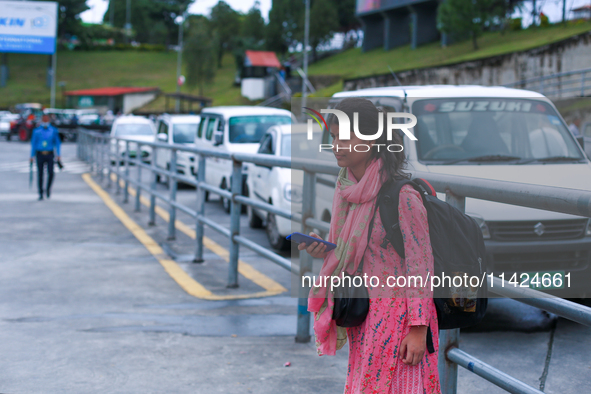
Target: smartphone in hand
<point>308,240</point>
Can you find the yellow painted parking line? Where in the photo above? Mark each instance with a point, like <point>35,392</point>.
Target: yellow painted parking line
<point>190,285</point>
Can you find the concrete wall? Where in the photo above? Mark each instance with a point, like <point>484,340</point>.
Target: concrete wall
<point>136,100</point>
<point>571,54</point>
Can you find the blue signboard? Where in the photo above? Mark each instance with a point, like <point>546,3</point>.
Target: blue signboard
<point>28,26</point>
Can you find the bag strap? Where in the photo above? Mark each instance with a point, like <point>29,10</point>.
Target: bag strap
<point>360,267</point>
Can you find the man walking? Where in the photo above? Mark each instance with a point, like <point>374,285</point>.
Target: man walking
<point>43,142</point>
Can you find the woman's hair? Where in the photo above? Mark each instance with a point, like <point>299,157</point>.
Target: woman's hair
<point>394,162</point>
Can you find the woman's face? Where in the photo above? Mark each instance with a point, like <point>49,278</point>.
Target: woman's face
<point>344,150</point>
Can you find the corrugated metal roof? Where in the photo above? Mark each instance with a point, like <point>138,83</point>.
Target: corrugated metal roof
<point>262,59</point>
<point>110,91</point>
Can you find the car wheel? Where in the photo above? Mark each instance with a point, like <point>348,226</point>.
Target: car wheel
<point>276,240</point>
<point>254,221</point>
<point>158,178</point>
<point>206,196</point>
<point>226,204</point>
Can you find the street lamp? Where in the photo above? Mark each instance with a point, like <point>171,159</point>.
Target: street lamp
<point>179,80</point>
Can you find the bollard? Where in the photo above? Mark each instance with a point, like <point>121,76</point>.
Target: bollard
<point>235,210</point>
<point>117,160</point>
<point>126,190</point>
<point>309,192</point>
<point>152,221</point>
<point>139,179</point>
<point>173,186</point>
<point>199,229</point>
<point>448,370</point>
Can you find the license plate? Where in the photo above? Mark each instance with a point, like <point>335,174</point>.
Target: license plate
<point>543,280</point>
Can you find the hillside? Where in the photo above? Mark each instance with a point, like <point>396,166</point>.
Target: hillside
<point>117,68</point>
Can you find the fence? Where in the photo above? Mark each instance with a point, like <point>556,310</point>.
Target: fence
<point>559,85</point>
<point>97,149</point>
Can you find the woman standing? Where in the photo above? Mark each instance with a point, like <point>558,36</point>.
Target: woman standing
<point>388,351</point>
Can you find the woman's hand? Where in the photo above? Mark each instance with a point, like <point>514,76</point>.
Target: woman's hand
<point>412,347</point>
<point>316,249</point>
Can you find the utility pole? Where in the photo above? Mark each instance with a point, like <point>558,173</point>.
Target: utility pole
<point>306,42</point>
<point>179,59</point>
<point>564,12</point>
<point>128,22</point>
<point>112,13</point>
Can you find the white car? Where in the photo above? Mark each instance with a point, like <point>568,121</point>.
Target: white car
<point>177,129</point>
<point>501,134</point>
<point>6,118</point>
<point>134,128</point>
<point>234,129</point>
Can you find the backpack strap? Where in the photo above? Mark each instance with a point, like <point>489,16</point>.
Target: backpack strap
<point>388,200</point>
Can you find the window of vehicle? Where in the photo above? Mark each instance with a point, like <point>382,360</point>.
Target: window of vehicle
<point>163,128</point>
<point>487,130</point>
<point>184,133</point>
<point>266,146</point>
<point>210,128</point>
<point>133,129</point>
<point>202,126</point>
<point>250,129</point>
<point>286,145</point>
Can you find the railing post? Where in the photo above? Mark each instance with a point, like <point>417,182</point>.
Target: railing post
<point>126,190</point>
<point>173,185</point>
<point>583,83</point>
<point>199,230</point>
<point>235,210</point>
<point>139,178</point>
<point>110,160</point>
<point>308,207</point>
<point>102,150</point>
<point>448,370</point>
<point>152,221</point>
<point>118,165</point>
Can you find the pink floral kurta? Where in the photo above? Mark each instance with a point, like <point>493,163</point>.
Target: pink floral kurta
<point>374,363</point>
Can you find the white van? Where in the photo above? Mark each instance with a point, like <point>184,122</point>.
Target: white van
<point>134,128</point>
<point>177,129</point>
<point>501,134</point>
<point>234,129</point>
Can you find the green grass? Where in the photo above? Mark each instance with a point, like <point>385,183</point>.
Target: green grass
<point>83,70</point>
<point>353,63</point>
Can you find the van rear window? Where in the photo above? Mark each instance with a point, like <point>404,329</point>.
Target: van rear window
<point>490,130</point>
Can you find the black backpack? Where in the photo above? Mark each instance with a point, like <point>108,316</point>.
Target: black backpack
<point>458,246</point>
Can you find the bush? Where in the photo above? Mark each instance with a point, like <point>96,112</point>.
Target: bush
<point>515,24</point>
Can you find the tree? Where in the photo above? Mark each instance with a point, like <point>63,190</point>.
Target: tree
<point>286,25</point>
<point>226,24</point>
<point>253,24</point>
<point>199,54</point>
<point>349,24</point>
<point>323,23</point>
<point>69,16</point>
<point>153,21</point>
<point>463,19</point>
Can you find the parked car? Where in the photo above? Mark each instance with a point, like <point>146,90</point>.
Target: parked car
<point>134,128</point>
<point>177,129</point>
<point>6,120</point>
<point>278,186</point>
<point>234,129</point>
<point>501,134</point>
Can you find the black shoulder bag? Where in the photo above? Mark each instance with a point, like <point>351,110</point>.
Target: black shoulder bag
<point>351,303</point>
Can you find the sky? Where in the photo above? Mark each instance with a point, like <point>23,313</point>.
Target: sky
<point>552,8</point>
<point>99,7</point>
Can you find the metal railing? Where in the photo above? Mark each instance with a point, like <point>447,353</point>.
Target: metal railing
<point>558,85</point>
<point>94,147</point>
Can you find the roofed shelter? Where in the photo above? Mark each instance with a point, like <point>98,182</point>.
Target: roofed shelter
<point>123,99</point>
<point>257,80</point>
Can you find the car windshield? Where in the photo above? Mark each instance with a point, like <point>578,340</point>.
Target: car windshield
<point>133,129</point>
<point>472,131</point>
<point>184,133</point>
<point>250,129</point>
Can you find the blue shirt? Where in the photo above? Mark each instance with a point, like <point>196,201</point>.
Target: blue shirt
<point>45,139</point>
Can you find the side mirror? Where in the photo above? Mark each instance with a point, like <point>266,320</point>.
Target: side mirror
<point>162,137</point>
<point>218,138</point>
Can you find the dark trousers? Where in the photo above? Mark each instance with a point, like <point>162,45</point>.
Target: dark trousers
<point>41,161</point>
